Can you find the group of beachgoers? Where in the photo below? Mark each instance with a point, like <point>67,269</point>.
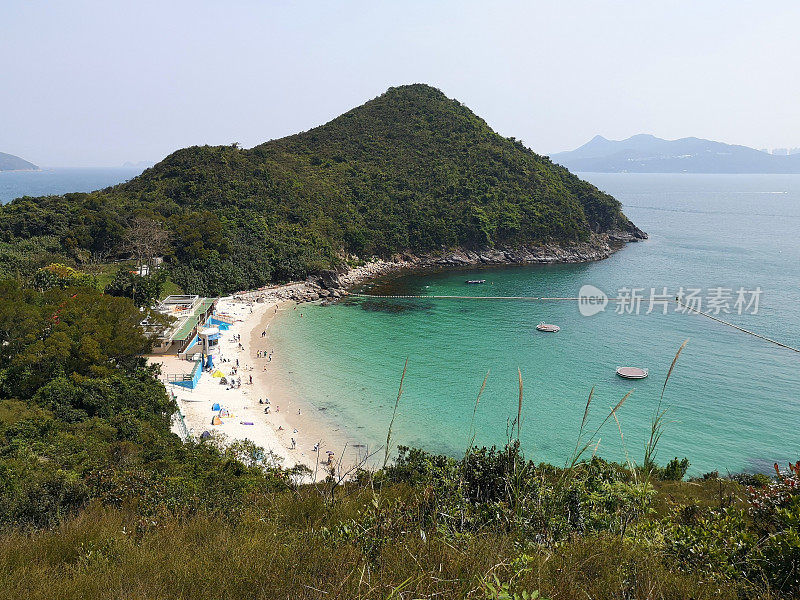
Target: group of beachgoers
<point>235,382</point>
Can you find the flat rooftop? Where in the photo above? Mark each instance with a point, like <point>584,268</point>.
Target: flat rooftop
<point>185,329</point>
<point>185,313</point>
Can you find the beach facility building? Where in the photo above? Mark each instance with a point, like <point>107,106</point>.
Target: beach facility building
<point>186,315</point>
<point>187,340</point>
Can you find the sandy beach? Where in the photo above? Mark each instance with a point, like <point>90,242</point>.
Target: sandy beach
<point>266,411</point>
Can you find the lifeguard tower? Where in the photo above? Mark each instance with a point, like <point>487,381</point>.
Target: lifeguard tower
<point>209,340</point>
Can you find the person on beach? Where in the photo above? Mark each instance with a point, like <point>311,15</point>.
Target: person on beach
<point>251,380</point>
<point>294,445</point>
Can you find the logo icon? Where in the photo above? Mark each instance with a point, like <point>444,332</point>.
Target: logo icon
<point>591,300</point>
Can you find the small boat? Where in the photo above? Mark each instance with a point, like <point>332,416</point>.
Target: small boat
<point>475,281</point>
<point>631,372</point>
<point>548,327</point>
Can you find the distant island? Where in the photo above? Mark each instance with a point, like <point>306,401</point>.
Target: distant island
<point>9,162</point>
<point>410,173</point>
<point>141,164</point>
<point>648,154</point>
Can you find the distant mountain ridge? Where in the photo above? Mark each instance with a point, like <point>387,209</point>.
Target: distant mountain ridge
<point>9,162</point>
<point>645,153</point>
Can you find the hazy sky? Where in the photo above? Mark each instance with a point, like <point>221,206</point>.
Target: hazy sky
<point>87,83</point>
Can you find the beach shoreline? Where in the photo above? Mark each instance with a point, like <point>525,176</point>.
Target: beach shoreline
<point>288,406</point>
<point>270,411</point>
<point>247,352</point>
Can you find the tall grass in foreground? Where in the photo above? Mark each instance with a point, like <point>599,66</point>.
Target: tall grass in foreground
<point>472,432</point>
<point>282,552</point>
<point>394,414</point>
<point>657,424</point>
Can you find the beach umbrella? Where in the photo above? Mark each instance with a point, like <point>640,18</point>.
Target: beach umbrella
<point>217,373</point>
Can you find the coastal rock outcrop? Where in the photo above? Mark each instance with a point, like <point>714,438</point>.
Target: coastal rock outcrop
<point>330,285</point>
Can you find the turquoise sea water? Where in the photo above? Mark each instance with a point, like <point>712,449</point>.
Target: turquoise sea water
<point>734,399</point>
<point>14,184</point>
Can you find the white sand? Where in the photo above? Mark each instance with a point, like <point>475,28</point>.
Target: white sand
<point>272,431</point>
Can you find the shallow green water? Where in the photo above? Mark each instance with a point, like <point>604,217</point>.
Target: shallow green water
<point>734,400</point>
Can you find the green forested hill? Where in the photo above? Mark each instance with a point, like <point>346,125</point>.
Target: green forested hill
<point>411,170</point>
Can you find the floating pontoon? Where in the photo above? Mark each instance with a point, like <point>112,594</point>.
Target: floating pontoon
<point>631,372</point>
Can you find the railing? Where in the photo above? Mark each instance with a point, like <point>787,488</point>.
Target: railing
<point>177,377</point>
<point>178,384</point>
<point>179,422</point>
<point>186,381</point>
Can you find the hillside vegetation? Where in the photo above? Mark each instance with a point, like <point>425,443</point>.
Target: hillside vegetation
<point>410,171</point>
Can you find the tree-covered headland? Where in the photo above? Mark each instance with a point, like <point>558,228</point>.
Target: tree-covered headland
<point>410,171</point>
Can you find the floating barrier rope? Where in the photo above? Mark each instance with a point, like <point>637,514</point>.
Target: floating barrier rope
<point>462,297</point>
<point>539,298</point>
<point>742,329</point>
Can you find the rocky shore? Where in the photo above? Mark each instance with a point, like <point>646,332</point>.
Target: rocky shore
<point>333,284</point>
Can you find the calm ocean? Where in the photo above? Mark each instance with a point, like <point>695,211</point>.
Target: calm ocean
<point>14,184</point>
<point>734,400</point>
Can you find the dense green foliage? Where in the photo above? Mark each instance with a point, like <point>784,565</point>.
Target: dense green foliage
<point>491,525</point>
<point>144,290</point>
<point>82,417</point>
<point>57,275</point>
<point>408,171</point>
